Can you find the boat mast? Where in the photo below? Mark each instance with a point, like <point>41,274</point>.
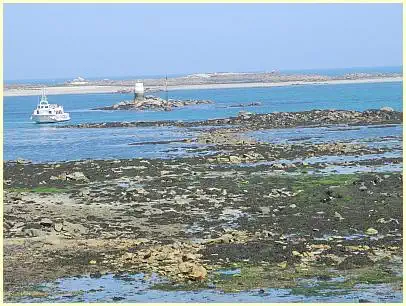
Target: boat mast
<point>43,97</point>
<point>135,95</point>
<point>166,87</point>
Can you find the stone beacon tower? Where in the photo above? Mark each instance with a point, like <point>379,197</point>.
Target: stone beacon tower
<point>139,91</point>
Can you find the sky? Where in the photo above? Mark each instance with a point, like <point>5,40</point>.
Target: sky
<point>95,40</point>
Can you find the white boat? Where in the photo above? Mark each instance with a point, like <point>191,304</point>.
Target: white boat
<point>48,113</point>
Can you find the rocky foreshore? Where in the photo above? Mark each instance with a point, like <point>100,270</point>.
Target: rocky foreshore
<point>186,219</point>
<point>275,214</point>
<point>272,120</point>
<point>153,103</point>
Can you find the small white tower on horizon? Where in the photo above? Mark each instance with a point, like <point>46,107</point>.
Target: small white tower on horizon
<point>139,90</point>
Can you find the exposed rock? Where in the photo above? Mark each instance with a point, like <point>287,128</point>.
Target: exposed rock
<point>33,232</point>
<point>185,267</point>
<point>75,229</point>
<point>22,161</point>
<point>198,272</point>
<point>58,227</point>
<point>84,192</point>
<point>276,193</point>
<point>8,224</point>
<point>244,115</point>
<point>355,261</point>
<point>272,120</point>
<point>282,265</point>
<point>278,166</point>
<point>338,216</point>
<point>46,222</point>
<point>235,159</point>
<point>264,210</point>
<point>151,102</point>
<point>363,187</point>
<point>229,237</point>
<point>371,231</point>
<point>118,298</point>
<point>192,271</point>
<point>387,109</point>
<point>77,176</point>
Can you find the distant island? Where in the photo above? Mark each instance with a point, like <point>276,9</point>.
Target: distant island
<point>199,81</point>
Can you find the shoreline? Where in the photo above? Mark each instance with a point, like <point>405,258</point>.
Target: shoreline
<point>94,89</point>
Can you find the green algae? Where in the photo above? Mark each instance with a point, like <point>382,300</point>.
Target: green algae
<point>312,181</point>
<point>307,281</point>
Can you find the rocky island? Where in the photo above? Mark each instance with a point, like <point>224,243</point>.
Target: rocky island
<point>152,103</point>
<point>270,120</point>
<point>201,81</point>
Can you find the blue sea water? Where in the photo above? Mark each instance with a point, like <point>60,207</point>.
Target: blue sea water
<point>24,139</point>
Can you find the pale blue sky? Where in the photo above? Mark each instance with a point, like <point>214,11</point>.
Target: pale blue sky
<point>67,40</point>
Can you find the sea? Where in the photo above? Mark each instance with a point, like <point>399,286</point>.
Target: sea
<point>46,143</point>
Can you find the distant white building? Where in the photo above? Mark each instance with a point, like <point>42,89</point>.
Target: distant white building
<point>79,81</point>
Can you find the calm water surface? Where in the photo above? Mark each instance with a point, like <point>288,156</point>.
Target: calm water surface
<point>134,288</point>
<point>24,139</point>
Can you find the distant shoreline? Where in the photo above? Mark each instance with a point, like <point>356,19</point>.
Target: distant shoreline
<point>93,89</point>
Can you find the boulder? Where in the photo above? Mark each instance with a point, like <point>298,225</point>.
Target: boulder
<point>77,176</point>
<point>185,267</point>
<point>235,159</point>
<point>226,238</point>
<point>198,272</point>
<point>363,187</point>
<point>244,115</point>
<point>22,161</point>
<point>75,229</point>
<point>278,166</point>
<point>387,109</point>
<point>46,222</point>
<point>58,227</point>
<point>355,261</point>
<point>33,232</point>
<point>338,216</point>
<point>371,231</point>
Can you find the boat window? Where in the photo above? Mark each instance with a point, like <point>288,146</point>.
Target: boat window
<point>50,112</point>
<point>37,112</point>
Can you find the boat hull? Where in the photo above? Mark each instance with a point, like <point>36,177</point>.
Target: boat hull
<point>49,119</point>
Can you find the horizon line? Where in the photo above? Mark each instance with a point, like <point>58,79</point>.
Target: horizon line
<point>193,73</point>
